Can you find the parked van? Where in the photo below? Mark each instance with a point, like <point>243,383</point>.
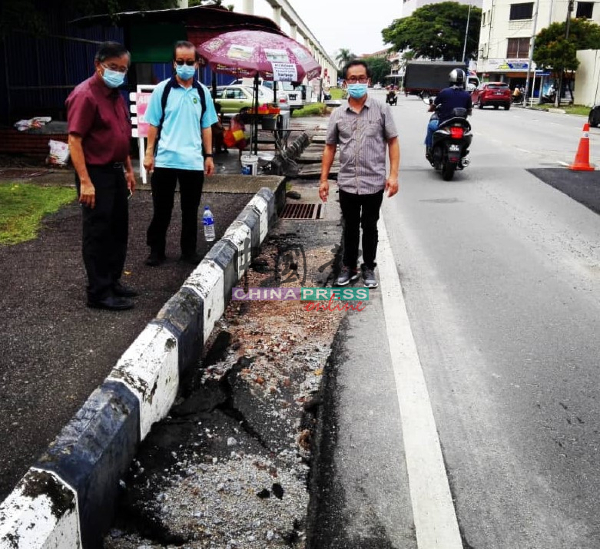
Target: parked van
<point>472,82</point>
<point>294,96</point>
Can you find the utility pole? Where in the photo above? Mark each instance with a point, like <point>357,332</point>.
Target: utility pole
<point>531,48</point>
<point>562,72</point>
<point>466,35</point>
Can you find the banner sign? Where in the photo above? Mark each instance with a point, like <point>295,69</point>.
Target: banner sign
<point>285,72</point>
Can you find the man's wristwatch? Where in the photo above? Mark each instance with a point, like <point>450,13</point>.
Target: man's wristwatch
<point>208,156</point>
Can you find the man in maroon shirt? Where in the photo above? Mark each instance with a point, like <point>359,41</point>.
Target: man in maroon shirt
<point>99,133</point>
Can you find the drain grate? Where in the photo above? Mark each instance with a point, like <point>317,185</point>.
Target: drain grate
<point>302,211</point>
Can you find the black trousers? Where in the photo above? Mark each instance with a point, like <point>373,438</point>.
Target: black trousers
<point>360,210</point>
<point>164,181</point>
<point>105,230</point>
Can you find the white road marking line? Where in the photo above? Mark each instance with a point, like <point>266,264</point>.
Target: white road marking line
<point>433,510</point>
<point>562,163</point>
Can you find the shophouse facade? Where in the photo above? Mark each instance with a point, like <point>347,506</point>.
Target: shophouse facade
<point>507,27</point>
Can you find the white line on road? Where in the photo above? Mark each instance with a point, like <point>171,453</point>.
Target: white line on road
<point>433,510</point>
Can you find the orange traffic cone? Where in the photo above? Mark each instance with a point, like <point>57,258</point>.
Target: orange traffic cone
<point>582,158</point>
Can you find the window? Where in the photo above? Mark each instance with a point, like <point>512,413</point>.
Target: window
<point>585,9</point>
<point>521,11</point>
<point>518,48</point>
<point>234,93</point>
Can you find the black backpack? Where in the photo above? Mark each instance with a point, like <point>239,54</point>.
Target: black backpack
<point>163,103</point>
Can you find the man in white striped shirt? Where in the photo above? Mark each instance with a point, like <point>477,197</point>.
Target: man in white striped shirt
<point>362,127</point>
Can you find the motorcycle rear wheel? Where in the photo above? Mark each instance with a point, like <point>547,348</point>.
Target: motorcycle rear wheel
<point>448,170</point>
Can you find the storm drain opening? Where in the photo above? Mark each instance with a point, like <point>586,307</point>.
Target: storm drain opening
<point>302,211</point>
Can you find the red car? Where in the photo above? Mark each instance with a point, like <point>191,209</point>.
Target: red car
<point>496,94</point>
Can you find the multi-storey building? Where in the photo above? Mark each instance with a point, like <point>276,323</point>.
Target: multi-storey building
<point>507,27</point>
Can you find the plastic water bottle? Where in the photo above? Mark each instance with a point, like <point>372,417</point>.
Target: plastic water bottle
<point>208,221</point>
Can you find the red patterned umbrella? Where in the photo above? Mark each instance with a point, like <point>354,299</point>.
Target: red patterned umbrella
<point>247,53</point>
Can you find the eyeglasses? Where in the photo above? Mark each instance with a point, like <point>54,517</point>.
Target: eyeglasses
<point>355,79</point>
<point>113,67</point>
<point>188,62</point>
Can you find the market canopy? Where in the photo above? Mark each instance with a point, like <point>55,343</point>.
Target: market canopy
<point>153,33</point>
<point>250,53</point>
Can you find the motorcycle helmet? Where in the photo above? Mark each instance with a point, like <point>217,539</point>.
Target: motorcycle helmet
<point>458,78</point>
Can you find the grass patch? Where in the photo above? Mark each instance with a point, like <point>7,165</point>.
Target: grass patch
<point>23,206</point>
<point>337,93</point>
<point>319,109</point>
<point>311,109</point>
<point>576,109</point>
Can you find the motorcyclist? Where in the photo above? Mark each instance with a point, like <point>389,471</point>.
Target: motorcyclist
<point>445,102</point>
<point>517,95</point>
<point>390,98</point>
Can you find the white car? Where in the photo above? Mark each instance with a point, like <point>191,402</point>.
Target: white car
<point>377,86</point>
<point>294,96</point>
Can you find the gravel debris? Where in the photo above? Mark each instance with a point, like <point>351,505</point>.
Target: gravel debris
<point>229,467</point>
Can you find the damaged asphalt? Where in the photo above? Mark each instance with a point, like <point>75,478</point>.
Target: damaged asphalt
<point>232,464</point>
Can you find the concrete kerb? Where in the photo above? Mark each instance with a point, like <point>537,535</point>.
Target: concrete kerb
<point>67,499</point>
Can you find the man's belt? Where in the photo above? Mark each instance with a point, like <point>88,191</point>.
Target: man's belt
<point>109,166</point>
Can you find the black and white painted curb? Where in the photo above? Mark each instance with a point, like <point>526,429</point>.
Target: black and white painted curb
<point>67,499</point>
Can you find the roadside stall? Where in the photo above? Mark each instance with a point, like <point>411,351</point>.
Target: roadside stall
<point>261,54</point>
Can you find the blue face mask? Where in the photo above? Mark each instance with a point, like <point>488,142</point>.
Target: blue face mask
<point>357,90</point>
<point>113,79</point>
<point>185,72</point>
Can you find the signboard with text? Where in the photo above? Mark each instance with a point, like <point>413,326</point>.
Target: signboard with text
<point>285,72</point>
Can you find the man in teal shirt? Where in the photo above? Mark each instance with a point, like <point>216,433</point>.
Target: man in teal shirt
<point>179,149</point>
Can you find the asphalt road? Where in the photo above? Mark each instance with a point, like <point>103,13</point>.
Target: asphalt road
<point>55,350</point>
<point>500,275</point>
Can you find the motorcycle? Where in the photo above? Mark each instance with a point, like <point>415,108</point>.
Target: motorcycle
<point>391,98</point>
<point>549,97</point>
<point>517,97</point>
<point>451,144</point>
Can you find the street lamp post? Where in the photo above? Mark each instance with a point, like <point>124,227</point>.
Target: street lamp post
<point>531,48</point>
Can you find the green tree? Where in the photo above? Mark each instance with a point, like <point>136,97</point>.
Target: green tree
<point>554,51</point>
<point>343,57</point>
<point>379,67</point>
<point>437,31</point>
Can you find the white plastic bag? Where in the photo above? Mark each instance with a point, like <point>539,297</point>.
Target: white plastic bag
<point>59,153</point>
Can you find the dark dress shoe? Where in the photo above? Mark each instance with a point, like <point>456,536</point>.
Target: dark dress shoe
<point>155,259</point>
<point>123,291</point>
<point>111,302</point>
<point>192,259</point>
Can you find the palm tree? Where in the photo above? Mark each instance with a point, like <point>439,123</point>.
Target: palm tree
<point>344,56</point>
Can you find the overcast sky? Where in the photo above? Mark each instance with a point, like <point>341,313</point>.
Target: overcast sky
<point>355,25</point>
